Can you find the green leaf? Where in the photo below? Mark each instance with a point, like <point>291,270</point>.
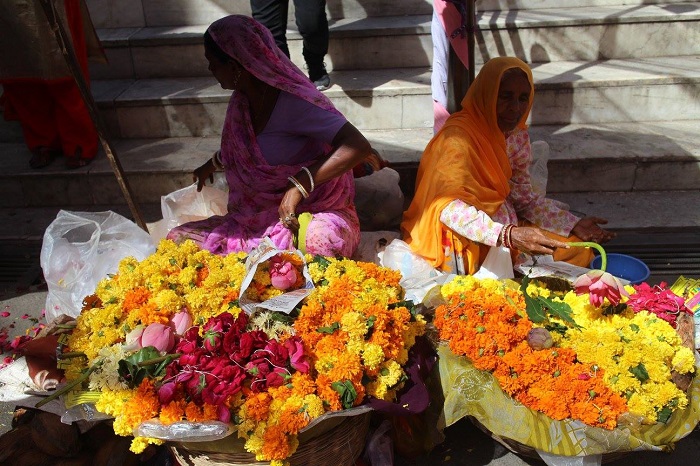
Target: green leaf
<point>539,308</point>
<point>664,414</point>
<point>347,393</point>
<point>133,371</point>
<point>640,372</point>
<point>333,327</point>
<point>322,262</point>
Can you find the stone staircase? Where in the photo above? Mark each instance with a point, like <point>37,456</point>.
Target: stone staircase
<point>617,98</point>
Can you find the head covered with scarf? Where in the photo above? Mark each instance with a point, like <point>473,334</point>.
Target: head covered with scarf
<point>251,45</point>
<point>465,160</point>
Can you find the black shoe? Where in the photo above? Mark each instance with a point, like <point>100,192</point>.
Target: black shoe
<point>319,76</point>
<point>323,83</point>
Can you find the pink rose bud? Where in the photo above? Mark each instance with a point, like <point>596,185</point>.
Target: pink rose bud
<point>159,336</point>
<point>181,322</point>
<point>283,274</point>
<point>133,339</point>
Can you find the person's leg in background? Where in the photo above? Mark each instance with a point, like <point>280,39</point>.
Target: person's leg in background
<point>31,103</point>
<point>79,140</point>
<point>273,15</point>
<point>76,129</point>
<point>312,22</point>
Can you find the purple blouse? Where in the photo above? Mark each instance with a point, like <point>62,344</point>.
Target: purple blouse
<point>297,131</point>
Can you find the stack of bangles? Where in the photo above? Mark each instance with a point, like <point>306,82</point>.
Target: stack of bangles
<point>505,237</point>
<point>301,187</point>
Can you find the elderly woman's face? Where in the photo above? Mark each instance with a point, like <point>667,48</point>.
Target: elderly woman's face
<point>228,73</point>
<point>513,99</point>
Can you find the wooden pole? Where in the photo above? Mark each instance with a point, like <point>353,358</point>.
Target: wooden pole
<point>459,77</point>
<point>71,60</point>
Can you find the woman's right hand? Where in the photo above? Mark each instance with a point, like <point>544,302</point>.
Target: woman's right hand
<point>532,241</point>
<point>202,173</point>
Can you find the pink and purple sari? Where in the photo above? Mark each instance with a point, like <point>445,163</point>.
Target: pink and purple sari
<point>256,188</point>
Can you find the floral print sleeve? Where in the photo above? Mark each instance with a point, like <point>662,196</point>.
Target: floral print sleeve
<point>543,212</point>
<point>471,223</point>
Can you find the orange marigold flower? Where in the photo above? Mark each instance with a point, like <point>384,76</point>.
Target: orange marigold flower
<point>196,413</point>
<point>276,444</point>
<point>173,411</point>
<point>257,406</point>
<point>135,298</point>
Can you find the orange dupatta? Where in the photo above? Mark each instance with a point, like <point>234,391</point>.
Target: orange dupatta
<point>465,160</point>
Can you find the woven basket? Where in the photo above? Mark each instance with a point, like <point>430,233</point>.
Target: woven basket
<point>337,441</point>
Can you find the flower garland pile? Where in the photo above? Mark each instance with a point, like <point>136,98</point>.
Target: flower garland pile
<point>585,365</point>
<point>165,339</point>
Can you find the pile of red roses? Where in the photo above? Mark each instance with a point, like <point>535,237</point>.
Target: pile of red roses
<point>204,373</point>
<point>659,300</point>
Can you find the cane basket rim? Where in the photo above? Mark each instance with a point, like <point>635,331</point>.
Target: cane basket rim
<point>338,446</point>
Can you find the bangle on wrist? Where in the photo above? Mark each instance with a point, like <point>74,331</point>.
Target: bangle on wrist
<point>216,161</point>
<point>311,179</point>
<point>299,186</point>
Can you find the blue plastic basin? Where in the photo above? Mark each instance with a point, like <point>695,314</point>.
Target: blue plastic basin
<point>624,266</point>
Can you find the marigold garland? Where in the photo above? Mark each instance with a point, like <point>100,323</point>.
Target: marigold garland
<point>592,374</point>
<point>353,329</point>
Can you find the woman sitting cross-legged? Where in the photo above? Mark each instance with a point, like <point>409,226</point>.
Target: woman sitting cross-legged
<point>285,150</point>
<point>473,187</point>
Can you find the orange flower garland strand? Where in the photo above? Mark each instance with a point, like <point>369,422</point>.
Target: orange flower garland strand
<point>489,328</point>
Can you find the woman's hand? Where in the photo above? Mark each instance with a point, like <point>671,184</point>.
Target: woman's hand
<point>588,230</point>
<point>532,241</point>
<point>202,173</point>
<point>288,207</point>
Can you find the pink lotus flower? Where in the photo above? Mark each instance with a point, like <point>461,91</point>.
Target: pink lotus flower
<point>133,339</point>
<point>283,274</point>
<point>159,336</point>
<point>180,322</point>
<point>600,285</point>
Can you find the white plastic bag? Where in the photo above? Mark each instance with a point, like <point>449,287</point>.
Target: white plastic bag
<point>80,249</point>
<point>188,205</point>
<point>379,200</point>
<point>497,264</point>
<point>418,276</point>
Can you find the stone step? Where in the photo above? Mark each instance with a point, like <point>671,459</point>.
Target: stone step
<point>539,35</point>
<point>650,89</point>
<point>635,158</point>
<point>648,214</point>
<point>155,13</point>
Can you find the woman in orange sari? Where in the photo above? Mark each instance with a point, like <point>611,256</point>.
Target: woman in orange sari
<point>473,188</point>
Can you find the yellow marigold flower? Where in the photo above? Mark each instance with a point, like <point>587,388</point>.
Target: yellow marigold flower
<point>355,324</point>
<point>683,361</point>
<point>313,405</point>
<point>168,302</point>
<point>372,355</point>
<point>139,444</point>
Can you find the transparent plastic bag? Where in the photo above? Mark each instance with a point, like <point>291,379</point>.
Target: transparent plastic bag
<point>189,205</point>
<point>81,248</point>
<point>418,276</point>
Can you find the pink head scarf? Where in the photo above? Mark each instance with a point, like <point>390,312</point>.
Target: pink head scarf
<point>255,187</point>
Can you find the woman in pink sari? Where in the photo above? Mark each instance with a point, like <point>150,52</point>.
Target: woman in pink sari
<point>285,150</point>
